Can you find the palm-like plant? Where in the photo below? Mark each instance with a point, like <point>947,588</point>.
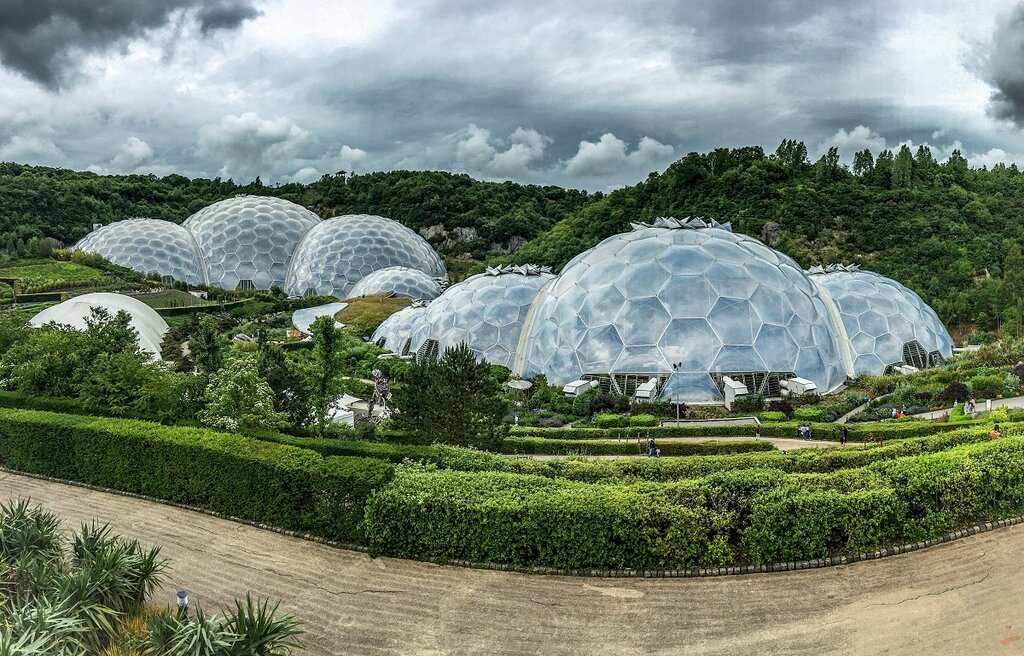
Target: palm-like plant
<point>43,628</point>
<point>260,632</point>
<point>206,635</point>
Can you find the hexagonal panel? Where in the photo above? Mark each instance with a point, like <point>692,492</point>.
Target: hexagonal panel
<point>148,246</point>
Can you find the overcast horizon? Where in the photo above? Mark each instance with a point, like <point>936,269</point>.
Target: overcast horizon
<point>592,95</point>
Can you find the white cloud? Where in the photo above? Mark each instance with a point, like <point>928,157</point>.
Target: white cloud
<point>350,158</point>
<point>608,156</point>
<point>857,139</point>
<point>995,156</point>
<point>514,157</point>
<point>249,145</point>
<point>133,153</point>
<point>305,175</point>
<point>34,149</point>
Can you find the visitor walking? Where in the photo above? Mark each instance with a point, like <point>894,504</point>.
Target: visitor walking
<point>657,453</point>
<point>650,447</point>
<point>842,435</point>
<point>757,432</point>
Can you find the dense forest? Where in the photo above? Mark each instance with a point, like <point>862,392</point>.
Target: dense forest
<point>950,232</point>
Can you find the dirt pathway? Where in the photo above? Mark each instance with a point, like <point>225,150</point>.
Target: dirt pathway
<point>962,597</point>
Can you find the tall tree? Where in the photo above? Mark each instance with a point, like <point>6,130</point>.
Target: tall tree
<point>452,399</point>
<point>903,168</point>
<point>1013,275</point>
<point>207,346</point>
<point>326,367</point>
<point>863,162</point>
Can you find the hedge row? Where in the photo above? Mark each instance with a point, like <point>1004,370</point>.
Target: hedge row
<point>755,516</point>
<point>260,481</point>
<point>552,447</point>
<point>823,431</point>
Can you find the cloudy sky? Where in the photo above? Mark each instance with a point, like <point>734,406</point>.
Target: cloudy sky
<point>587,94</point>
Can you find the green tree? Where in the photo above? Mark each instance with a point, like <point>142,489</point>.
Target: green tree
<point>903,168</point>
<point>452,399</point>
<point>291,389</point>
<point>207,346</point>
<point>325,368</point>
<point>863,163</point>
<point>237,397</point>
<point>1013,275</point>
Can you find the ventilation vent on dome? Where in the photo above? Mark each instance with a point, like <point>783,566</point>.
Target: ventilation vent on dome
<point>518,269</point>
<point>915,355</point>
<point>690,222</point>
<point>833,268</point>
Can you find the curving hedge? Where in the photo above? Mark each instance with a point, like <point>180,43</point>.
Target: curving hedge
<point>270,483</point>
<point>666,513</point>
<point>625,447</point>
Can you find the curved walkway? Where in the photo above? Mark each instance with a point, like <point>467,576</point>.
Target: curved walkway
<point>962,597</point>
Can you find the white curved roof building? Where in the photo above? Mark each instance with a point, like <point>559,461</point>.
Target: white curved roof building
<point>247,241</point>
<point>149,246</point>
<point>395,333</point>
<point>337,253</point>
<point>73,312</point>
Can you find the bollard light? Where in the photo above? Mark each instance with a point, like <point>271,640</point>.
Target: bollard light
<point>182,602</point>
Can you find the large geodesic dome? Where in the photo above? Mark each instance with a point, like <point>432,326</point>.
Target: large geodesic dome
<point>486,311</point>
<point>148,246</point>
<point>400,281</point>
<point>395,332</point>
<point>73,312</point>
<point>688,302</point>
<point>247,241</point>
<point>886,324</point>
<point>337,253</point>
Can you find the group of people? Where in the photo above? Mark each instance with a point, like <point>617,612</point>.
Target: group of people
<point>899,413</point>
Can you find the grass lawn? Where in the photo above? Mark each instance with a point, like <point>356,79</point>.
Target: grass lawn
<point>172,298</point>
<point>365,313</point>
<point>52,276</point>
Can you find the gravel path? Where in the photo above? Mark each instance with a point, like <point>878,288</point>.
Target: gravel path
<point>962,597</point>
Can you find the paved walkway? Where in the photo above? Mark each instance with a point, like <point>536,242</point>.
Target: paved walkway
<point>958,598</point>
<point>782,443</point>
<point>1013,403</point>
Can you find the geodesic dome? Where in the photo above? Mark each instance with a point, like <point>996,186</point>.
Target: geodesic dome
<point>74,311</point>
<point>486,311</point>
<point>401,281</point>
<point>395,332</point>
<point>886,323</point>
<point>148,246</point>
<point>337,253</point>
<point>689,302</point>
<point>246,241</point>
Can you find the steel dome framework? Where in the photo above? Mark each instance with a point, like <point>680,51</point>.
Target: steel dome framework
<point>334,255</point>
<point>687,301</point>
<point>486,311</point>
<point>887,324</point>
<point>149,246</point>
<point>247,241</point>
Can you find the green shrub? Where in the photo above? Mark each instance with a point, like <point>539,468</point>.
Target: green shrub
<point>643,420</point>
<point>627,447</point>
<point>255,480</point>
<point>608,420</point>
<point>772,415</point>
<point>529,520</point>
<point>809,414</point>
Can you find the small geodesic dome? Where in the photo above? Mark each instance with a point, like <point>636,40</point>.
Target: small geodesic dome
<point>148,246</point>
<point>688,302</point>
<point>486,311</point>
<point>74,311</point>
<point>246,241</point>
<point>400,281</point>
<point>337,253</point>
<point>395,332</point>
<point>886,324</point>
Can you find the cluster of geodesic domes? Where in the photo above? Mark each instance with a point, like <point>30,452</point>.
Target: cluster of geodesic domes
<point>686,301</point>
<point>260,242</point>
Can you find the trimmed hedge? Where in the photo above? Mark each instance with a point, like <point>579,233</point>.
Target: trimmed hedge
<point>270,483</point>
<point>824,431</point>
<point>755,516</point>
<point>630,447</point>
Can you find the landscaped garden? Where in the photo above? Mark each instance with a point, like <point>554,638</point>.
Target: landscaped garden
<point>236,419</point>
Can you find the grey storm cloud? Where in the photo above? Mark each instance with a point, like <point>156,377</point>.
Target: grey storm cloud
<point>1003,67</point>
<point>43,39</point>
